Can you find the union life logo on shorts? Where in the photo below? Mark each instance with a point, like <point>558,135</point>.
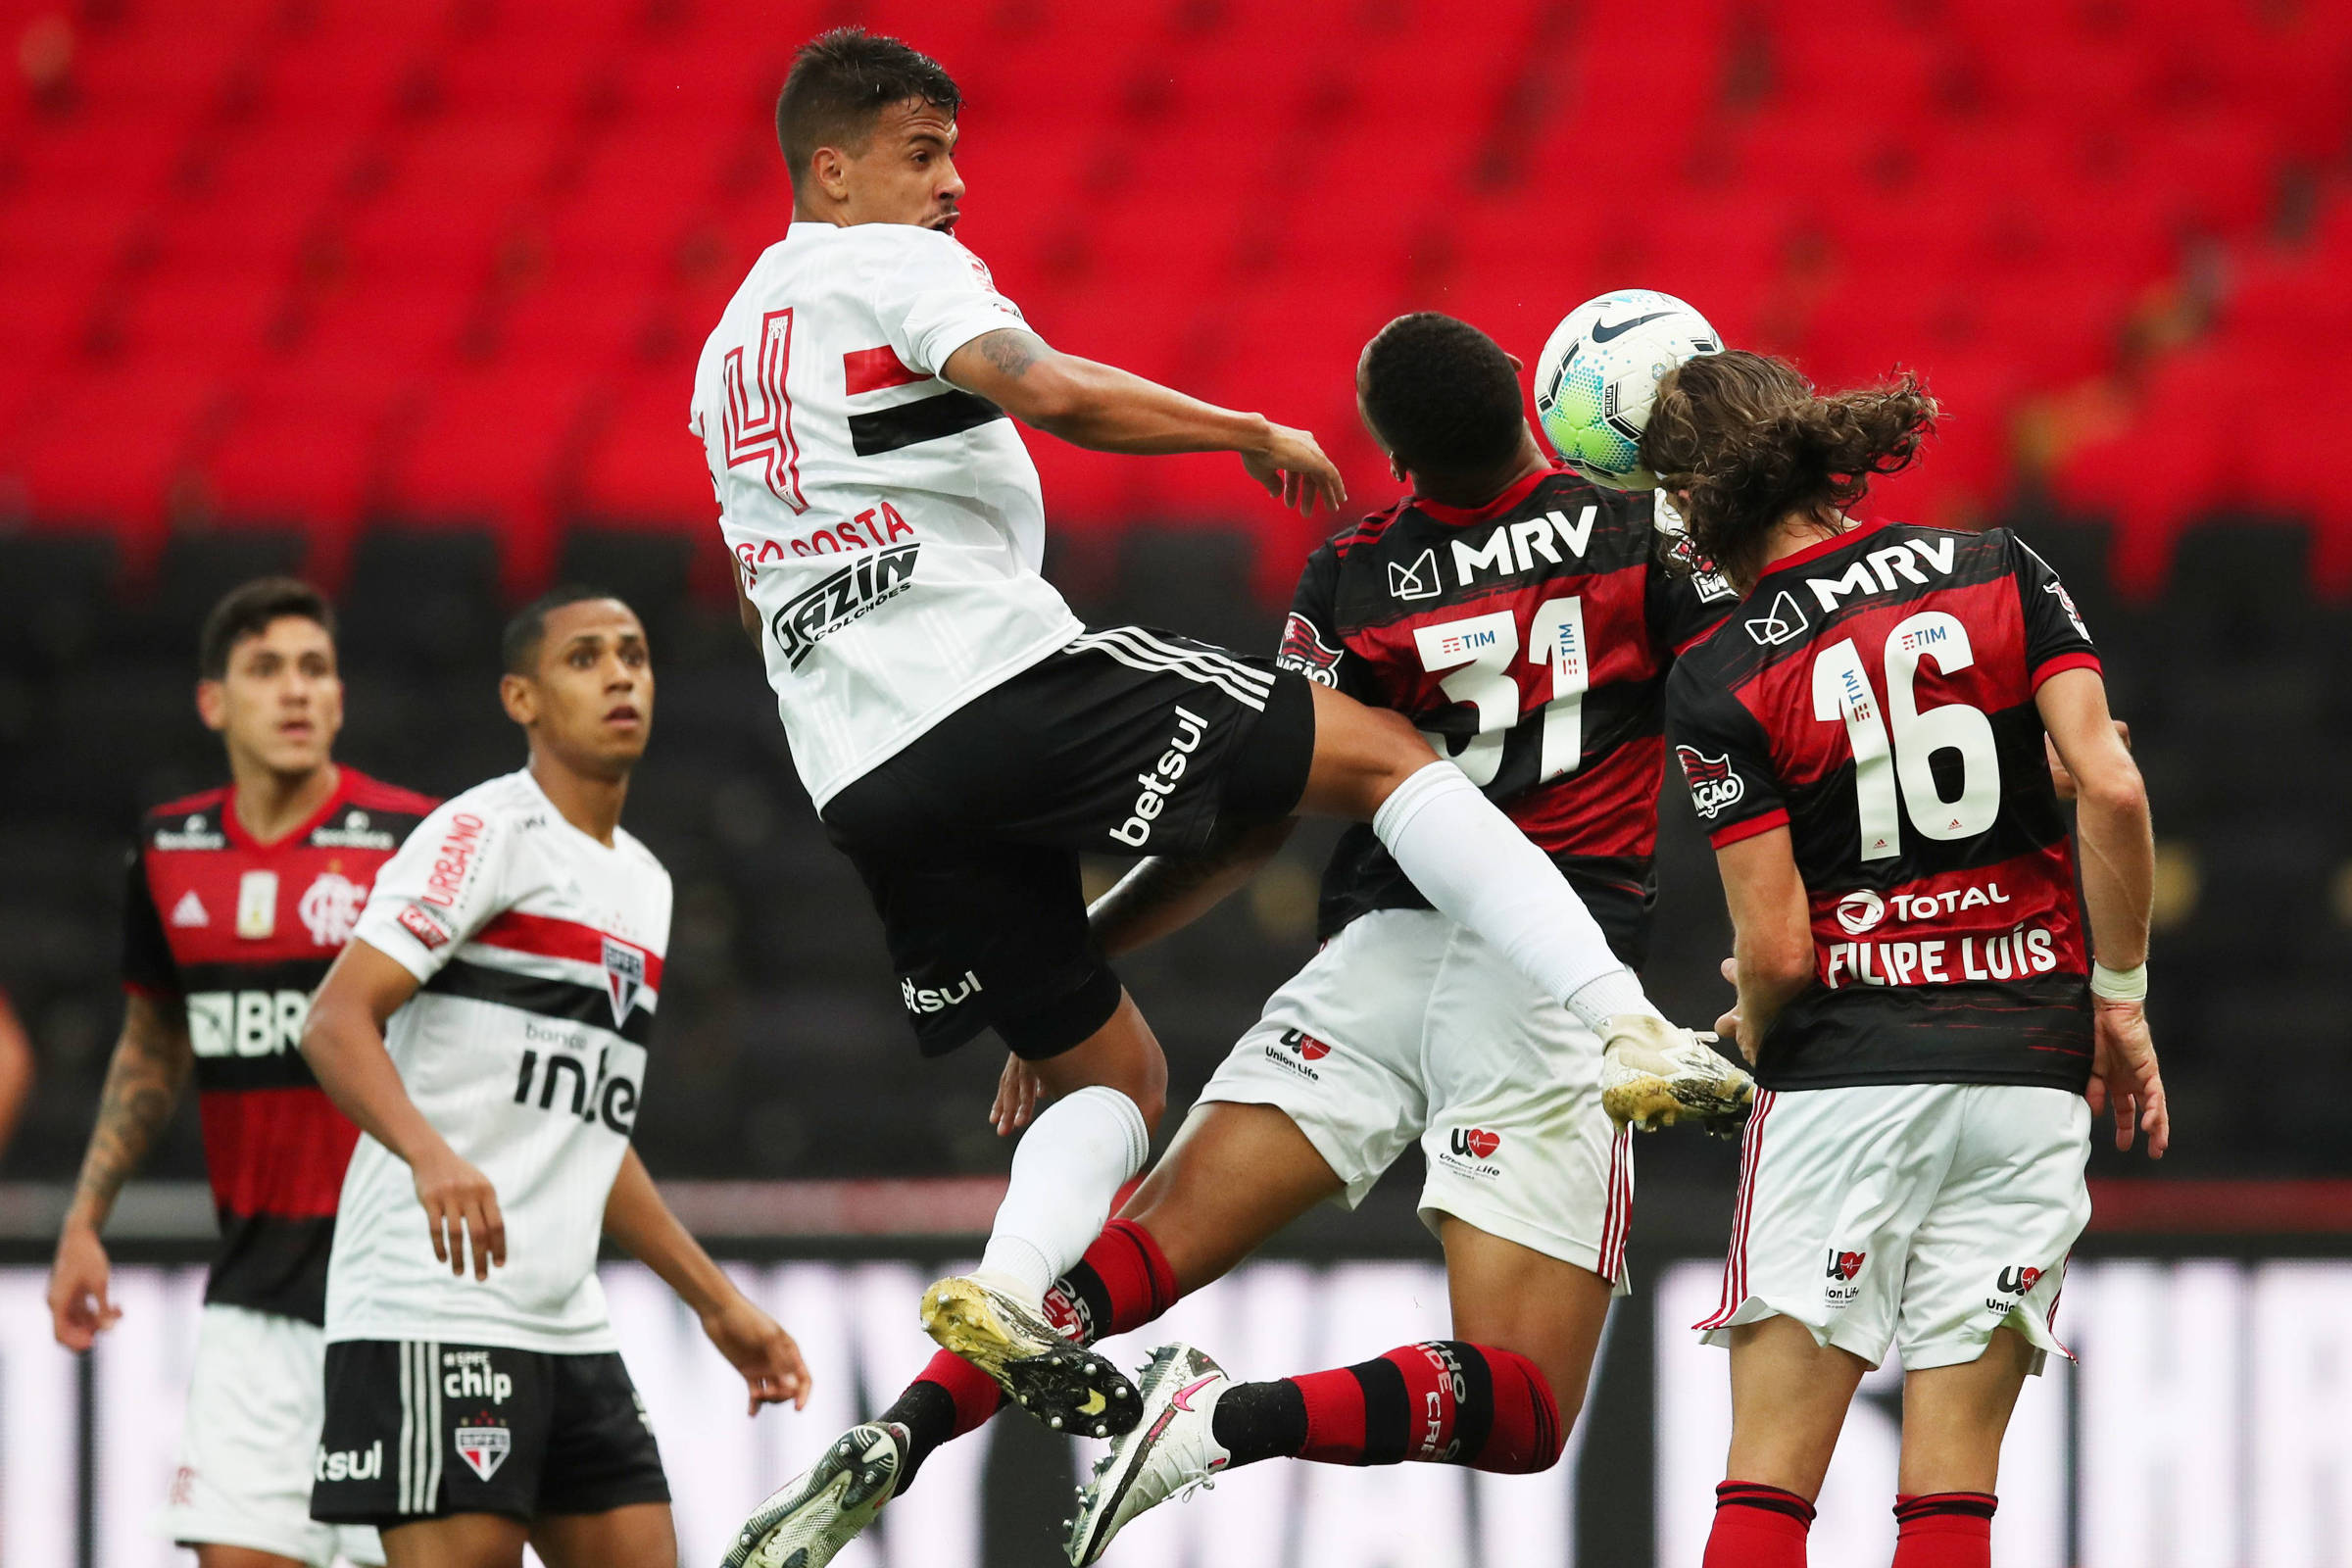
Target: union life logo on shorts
<point>1470,1151</point>
<point>1296,1049</point>
<point>1844,1269</point>
<point>848,595</point>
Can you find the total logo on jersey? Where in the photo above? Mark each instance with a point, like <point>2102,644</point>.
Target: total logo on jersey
<point>848,595</point>
<point>1862,909</point>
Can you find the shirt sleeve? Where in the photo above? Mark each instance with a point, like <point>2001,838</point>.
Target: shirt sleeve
<point>439,889</point>
<point>2055,637</point>
<point>147,964</point>
<point>937,299</point>
<point>1310,639</point>
<point>1687,597</point>
<point>1726,762</point>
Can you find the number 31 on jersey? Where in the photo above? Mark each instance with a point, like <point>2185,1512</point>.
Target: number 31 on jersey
<point>1479,659</point>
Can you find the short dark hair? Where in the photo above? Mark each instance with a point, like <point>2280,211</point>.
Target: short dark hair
<point>1443,396</point>
<point>248,610</point>
<point>843,79</point>
<point>518,644</point>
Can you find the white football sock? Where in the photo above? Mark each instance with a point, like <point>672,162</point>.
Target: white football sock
<point>1069,1167</point>
<point>1475,867</point>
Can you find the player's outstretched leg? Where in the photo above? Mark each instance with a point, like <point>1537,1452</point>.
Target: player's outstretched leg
<point>1493,1411</point>
<point>1068,1169</point>
<point>1474,865</point>
<point>1122,1283</point>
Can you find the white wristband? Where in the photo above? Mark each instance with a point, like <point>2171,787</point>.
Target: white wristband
<point>2119,985</point>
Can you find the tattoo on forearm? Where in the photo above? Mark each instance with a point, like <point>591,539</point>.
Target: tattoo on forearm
<point>1009,352</point>
<point>142,1086</point>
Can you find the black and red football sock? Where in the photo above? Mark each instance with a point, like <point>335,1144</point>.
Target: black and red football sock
<point>1443,1401</point>
<point>1757,1526</point>
<point>1122,1283</point>
<point>1945,1530</point>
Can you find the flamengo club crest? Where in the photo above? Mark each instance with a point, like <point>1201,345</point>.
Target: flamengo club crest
<point>483,1448</point>
<point>624,977</point>
<point>330,907</point>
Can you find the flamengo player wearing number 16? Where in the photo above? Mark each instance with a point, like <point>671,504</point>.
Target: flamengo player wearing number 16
<point>1864,740</point>
<point>964,737</point>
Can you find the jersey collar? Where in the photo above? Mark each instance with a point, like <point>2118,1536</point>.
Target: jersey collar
<point>336,798</point>
<point>1830,546</point>
<point>1463,516</point>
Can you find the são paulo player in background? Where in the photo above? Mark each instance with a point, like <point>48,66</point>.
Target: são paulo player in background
<point>1404,1026</point>
<point>964,737</point>
<point>486,1028</point>
<point>1914,991</point>
<point>238,899</point>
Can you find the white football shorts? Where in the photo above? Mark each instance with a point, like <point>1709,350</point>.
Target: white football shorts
<point>1407,1026</point>
<point>1919,1216</point>
<point>250,1441</point>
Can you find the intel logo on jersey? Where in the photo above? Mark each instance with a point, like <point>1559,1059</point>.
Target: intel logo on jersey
<point>846,595</point>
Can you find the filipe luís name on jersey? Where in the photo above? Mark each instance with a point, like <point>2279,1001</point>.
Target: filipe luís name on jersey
<point>240,933</point>
<point>1529,640</point>
<point>1875,696</point>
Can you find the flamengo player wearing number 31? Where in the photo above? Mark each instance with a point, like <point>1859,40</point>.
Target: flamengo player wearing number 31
<point>1864,740</point>
<point>487,1029</point>
<point>964,737</point>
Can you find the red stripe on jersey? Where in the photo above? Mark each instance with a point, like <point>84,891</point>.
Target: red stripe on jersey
<point>201,799</point>
<point>551,938</point>
<point>1608,807</point>
<point>276,1151</point>
<point>872,369</point>
<point>2077,659</point>
<point>1723,838</point>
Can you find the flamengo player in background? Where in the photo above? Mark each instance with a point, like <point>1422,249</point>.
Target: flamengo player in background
<point>963,737</point>
<point>487,1030</point>
<point>1405,1025</point>
<point>1864,740</point>
<point>239,899</point>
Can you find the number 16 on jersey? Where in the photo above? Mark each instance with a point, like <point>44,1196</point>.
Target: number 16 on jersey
<point>1477,659</point>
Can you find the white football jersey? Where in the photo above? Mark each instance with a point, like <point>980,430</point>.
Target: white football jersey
<point>888,526</point>
<point>539,953</point>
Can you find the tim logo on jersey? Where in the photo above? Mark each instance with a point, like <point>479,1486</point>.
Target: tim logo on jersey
<point>848,595</point>
<point>1714,787</point>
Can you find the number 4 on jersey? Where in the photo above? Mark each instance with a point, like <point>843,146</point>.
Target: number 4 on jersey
<point>765,433</point>
<point>1480,650</point>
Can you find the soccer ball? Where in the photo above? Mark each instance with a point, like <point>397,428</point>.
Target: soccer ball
<point>1599,375</point>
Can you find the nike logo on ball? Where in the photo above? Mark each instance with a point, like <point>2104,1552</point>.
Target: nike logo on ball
<point>1603,333</point>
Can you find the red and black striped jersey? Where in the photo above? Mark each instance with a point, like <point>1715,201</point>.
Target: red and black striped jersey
<point>1874,694</point>
<point>241,933</point>
<point>1528,639</point>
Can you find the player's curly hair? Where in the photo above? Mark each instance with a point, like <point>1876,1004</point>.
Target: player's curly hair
<point>841,81</point>
<point>1746,440</point>
<point>1442,397</point>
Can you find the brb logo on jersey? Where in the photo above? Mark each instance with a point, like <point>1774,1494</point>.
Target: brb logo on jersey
<point>1714,787</point>
<point>848,595</point>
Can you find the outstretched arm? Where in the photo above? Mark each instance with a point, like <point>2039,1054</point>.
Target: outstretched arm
<point>642,1225</point>
<point>1108,410</point>
<point>344,1044</point>
<point>151,1066</point>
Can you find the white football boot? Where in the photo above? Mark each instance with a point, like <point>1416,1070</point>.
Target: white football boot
<point>1171,1452</point>
<point>823,1509</point>
<point>1070,1387</point>
<point>1653,1075</point>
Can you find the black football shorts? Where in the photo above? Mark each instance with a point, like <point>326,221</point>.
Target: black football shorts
<point>419,1430</point>
<point>1128,743</point>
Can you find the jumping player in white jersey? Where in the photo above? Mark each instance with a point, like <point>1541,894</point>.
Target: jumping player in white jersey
<point>487,1030</point>
<point>964,737</point>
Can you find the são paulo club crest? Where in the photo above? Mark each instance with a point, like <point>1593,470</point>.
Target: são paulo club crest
<point>624,977</point>
<point>484,1448</point>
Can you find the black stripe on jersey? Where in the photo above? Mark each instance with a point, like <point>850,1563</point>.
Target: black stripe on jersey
<point>283,1069</point>
<point>272,1263</point>
<point>550,998</point>
<point>928,418</point>
<point>283,974</point>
